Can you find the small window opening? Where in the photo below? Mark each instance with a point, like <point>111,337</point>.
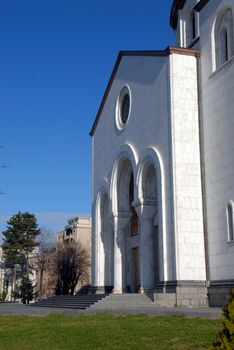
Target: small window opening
<point>230,222</point>
<point>134,223</point>
<point>226,45</point>
<point>131,191</point>
<point>125,107</point>
<point>194,34</point>
<point>134,216</point>
<point>224,54</point>
<point>224,38</point>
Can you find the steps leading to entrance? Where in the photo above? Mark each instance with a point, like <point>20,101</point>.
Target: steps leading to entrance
<point>79,301</point>
<point>105,302</point>
<point>121,301</point>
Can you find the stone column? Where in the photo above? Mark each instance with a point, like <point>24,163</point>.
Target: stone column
<point>94,258</point>
<point>120,224</point>
<point>146,211</point>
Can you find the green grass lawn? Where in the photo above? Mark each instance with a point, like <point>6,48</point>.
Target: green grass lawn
<point>105,331</point>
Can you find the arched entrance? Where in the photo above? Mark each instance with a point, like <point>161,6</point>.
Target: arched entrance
<point>147,210</point>
<point>134,242</point>
<point>126,240</point>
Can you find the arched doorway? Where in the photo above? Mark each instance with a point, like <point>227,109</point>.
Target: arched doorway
<point>150,196</point>
<point>126,245</point>
<point>134,242</point>
<point>147,210</point>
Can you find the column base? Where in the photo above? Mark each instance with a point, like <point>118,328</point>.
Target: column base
<point>219,292</point>
<point>181,294</point>
<point>97,290</point>
<point>143,290</point>
<point>118,291</point>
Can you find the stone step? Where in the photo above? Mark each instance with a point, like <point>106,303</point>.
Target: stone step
<point>119,307</point>
<point>78,297</point>
<point>61,306</point>
<point>97,301</point>
<point>128,297</point>
<point>121,301</point>
<point>71,304</point>
<point>70,301</point>
<point>124,302</point>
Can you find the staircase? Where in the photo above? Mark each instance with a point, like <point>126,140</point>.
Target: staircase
<point>97,302</point>
<point>122,301</point>
<point>79,301</point>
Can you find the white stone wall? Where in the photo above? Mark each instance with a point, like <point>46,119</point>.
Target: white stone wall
<point>164,115</point>
<point>188,219</point>
<point>218,124</point>
<point>147,78</point>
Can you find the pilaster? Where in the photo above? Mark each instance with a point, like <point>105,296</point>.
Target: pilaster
<point>146,210</point>
<point>120,222</point>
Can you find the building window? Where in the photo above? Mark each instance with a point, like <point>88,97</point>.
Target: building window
<point>193,24</point>
<point>134,223</point>
<point>224,45</point>
<point>230,223</point>
<point>192,31</point>
<point>134,216</point>
<point>68,231</point>
<point>224,38</point>
<point>123,107</point>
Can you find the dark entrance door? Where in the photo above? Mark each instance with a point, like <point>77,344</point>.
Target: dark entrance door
<point>135,270</point>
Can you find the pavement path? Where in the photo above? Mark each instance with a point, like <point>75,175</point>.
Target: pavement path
<point>19,309</point>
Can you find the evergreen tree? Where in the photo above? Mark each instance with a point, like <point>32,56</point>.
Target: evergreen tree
<point>225,339</point>
<point>19,240</point>
<point>25,291</point>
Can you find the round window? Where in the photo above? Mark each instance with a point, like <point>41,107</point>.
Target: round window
<point>123,107</point>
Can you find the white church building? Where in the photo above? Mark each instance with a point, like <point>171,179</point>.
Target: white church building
<point>163,165</point>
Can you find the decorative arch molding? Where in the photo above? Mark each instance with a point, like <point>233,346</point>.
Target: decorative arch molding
<point>102,239</point>
<point>126,152</point>
<point>152,156</point>
<point>219,25</point>
<point>103,189</point>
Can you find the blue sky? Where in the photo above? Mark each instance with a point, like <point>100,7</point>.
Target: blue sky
<point>56,57</point>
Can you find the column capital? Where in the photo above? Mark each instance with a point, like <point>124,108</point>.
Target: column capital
<point>120,220</point>
<point>145,208</point>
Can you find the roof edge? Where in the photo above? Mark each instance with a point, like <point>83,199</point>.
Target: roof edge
<point>176,6</point>
<point>199,6</point>
<point>155,53</point>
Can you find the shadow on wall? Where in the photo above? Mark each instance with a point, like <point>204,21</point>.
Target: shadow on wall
<point>143,70</point>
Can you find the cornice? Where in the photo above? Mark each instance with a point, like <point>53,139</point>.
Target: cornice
<point>176,6</point>
<point>200,5</point>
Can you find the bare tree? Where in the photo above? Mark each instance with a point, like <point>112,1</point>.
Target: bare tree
<point>72,266</point>
<point>44,259</point>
